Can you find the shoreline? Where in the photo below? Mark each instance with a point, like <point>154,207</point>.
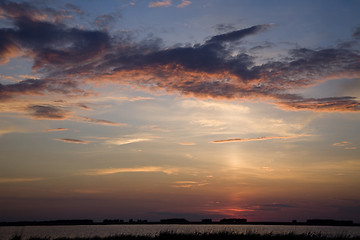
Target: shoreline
<point>70,223</point>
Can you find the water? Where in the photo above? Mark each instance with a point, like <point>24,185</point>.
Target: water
<point>107,230</point>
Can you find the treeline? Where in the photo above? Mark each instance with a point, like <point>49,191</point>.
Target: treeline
<point>49,223</point>
<point>318,222</point>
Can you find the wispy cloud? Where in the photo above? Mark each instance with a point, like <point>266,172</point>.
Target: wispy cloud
<point>209,123</point>
<point>187,143</point>
<point>123,141</point>
<point>145,169</point>
<point>88,191</point>
<point>56,130</point>
<point>99,121</point>
<point>231,211</point>
<point>165,3</point>
<point>346,144</point>
<point>47,112</point>
<point>255,139</point>
<point>72,140</point>
<point>130,99</point>
<point>54,112</point>
<point>17,180</point>
<point>189,184</point>
<point>184,3</point>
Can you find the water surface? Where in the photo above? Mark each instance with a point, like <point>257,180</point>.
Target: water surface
<point>148,229</point>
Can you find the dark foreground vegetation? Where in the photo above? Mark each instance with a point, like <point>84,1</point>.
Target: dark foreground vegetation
<point>206,236</point>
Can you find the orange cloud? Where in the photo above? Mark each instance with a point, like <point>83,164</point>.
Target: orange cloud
<point>108,171</point>
<point>130,99</point>
<point>187,143</point>
<point>346,144</point>
<point>98,121</point>
<point>230,212</point>
<point>124,141</point>
<point>254,139</point>
<point>189,184</point>
<point>16,180</point>
<point>56,130</point>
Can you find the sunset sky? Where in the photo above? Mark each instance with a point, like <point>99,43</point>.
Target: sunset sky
<point>180,109</point>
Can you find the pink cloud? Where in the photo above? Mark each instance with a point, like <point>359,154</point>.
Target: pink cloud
<point>165,3</point>
<point>183,4</point>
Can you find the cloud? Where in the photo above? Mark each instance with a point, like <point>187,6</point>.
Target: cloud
<point>130,99</point>
<point>106,20</point>
<point>346,144</point>
<point>47,112</point>
<point>187,143</point>
<point>74,8</point>
<point>188,184</point>
<point>255,139</point>
<point>224,27</point>
<point>146,169</point>
<point>238,34</point>
<point>53,112</point>
<point>56,130</point>
<point>88,191</point>
<point>98,121</point>
<point>345,104</point>
<point>17,180</point>
<point>209,123</point>
<point>165,3</point>
<point>356,33</point>
<point>271,207</point>
<point>46,36</point>
<point>184,3</point>
<point>231,211</point>
<point>38,87</point>
<point>71,140</point>
<point>124,141</point>
<point>219,68</point>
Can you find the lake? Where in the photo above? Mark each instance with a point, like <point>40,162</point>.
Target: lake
<point>148,229</point>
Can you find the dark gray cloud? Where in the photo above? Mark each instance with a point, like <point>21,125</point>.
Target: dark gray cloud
<point>99,121</point>
<point>66,56</point>
<point>332,104</point>
<point>237,35</point>
<point>356,33</point>
<point>74,8</point>
<point>106,20</point>
<point>224,27</point>
<point>52,112</point>
<point>39,87</point>
<point>51,43</point>
<point>47,112</point>
<point>26,87</point>
<point>72,140</point>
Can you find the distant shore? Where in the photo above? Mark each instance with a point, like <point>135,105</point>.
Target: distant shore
<point>310,222</point>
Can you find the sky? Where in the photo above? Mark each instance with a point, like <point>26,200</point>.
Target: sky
<point>136,109</point>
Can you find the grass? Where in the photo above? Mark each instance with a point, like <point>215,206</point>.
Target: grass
<point>206,236</point>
